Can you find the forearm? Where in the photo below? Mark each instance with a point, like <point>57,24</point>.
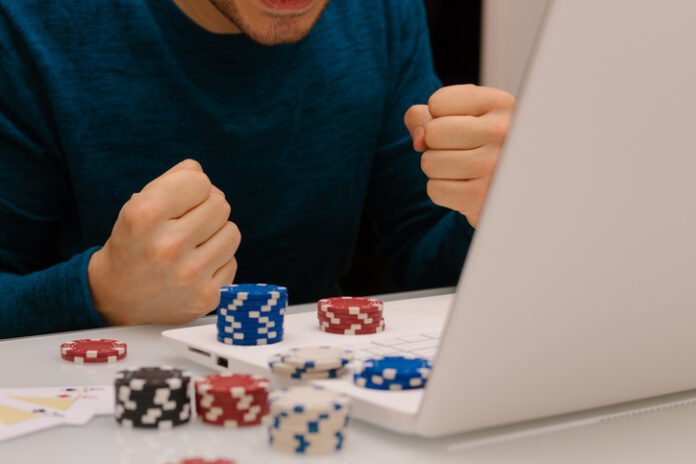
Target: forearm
<point>51,300</point>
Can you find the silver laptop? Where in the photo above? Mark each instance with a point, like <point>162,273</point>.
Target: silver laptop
<point>578,291</point>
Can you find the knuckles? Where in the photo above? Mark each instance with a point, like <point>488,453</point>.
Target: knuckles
<point>165,250</point>
<point>140,212</point>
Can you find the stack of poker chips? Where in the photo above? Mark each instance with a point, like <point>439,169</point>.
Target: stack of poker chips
<point>232,400</point>
<point>393,373</point>
<point>101,350</point>
<point>350,315</point>
<point>320,362</point>
<point>308,420</point>
<point>152,397</point>
<point>251,314</point>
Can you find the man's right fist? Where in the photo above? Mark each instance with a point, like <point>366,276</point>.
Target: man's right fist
<point>170,251</point>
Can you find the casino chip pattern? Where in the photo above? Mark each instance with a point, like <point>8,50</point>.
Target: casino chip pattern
<point>251,314</point>
<point>152,397</point>
<point>90,351</point>
<point>308,420</point>
<point>393,373</point>
<point>320,362</point>
<point>349,315</point>
<point>232,400</point>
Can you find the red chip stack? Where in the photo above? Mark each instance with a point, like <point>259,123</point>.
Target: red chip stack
<point>232,400</point>
<point>349,315</point>
<point>93,350</point>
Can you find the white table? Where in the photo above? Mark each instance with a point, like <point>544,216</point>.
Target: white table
<point>664,437</point>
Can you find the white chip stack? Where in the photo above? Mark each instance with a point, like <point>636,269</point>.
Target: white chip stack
<point>308,420</point>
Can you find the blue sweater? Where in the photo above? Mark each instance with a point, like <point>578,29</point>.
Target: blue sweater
<point>99,97</point>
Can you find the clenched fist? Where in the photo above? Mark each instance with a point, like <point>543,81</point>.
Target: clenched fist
<point>461,131</point>
<point>170,251</point>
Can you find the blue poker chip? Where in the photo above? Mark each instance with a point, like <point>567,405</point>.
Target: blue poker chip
<point>397,367</point>
<point>260,321</point>
<point>234,303</point>
<point>253,291</point>
<point>258,328</point>
<point>249,333</point>
<point>239,335</point>
<point>256,341</point>
<point>378,383</point>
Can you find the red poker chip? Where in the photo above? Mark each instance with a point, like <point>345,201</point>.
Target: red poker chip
<point>350,326</point>
<point>230,406</point>
<point>226,422</point>
<point>232,385</point>
<point>233,412</point>
<point>78,359</point>
<point>369,331</point>
<point>347,321</point>
<point>94,348</point>
<point>256,398</point>
<point>346,302</point>
<point>351,317</point>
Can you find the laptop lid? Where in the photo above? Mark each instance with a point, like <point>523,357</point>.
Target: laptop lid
<point>578,291</point>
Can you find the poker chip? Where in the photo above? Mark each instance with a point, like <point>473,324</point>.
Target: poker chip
<point>350,304</point>
<point>252,291</point>
<point>352,331</point>
<point>308,420</point>
<point>232,400</point>
<point>86,360</point>
<point>350,315</point>
<point>101,350</point>
<point>318,357</point>
<point>251,314</point>
<point>249,342</point>
<point>152,397</point>
<point>393,373</point>
<point>311,362</point>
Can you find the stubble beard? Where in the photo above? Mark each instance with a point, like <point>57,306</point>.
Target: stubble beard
<point>285,29</point>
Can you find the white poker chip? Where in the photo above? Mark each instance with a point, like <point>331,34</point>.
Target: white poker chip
<point>309,399</point>
<point>317,357</point>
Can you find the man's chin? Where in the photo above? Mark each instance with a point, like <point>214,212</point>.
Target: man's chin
<point>278,34</point>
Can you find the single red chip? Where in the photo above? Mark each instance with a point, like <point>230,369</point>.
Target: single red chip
<point>348,321</point>
<point>85,360</point>
<point>369,331</point>
<point>350,317</point>
<point>94,348</point>
<point>350,305</point>
<point>234,385</point>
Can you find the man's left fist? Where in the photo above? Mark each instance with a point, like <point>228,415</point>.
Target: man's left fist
<point>461,130</point>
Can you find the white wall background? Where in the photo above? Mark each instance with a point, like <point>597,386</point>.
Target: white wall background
<point>509,30</point>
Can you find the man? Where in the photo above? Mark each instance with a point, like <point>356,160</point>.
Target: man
<point>294,111</point>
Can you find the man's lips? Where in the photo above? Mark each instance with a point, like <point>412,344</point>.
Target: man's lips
<point>287,5</point>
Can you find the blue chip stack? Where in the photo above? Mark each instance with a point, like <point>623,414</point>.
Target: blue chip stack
<point>393,373</point>
<point>251,314</point>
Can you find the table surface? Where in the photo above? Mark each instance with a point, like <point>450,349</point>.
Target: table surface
<point>666,436</point>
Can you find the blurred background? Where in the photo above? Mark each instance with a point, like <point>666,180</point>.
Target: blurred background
<point>485,42</point>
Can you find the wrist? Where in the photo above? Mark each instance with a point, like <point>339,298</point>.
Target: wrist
<point>100,286</point>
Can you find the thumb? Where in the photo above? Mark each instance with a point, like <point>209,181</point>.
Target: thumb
<point>189,164</point>
<point>415,119</point>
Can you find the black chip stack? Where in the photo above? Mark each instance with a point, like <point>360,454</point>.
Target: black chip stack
<point>152,397</point>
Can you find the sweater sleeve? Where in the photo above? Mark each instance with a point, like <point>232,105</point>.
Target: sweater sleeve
<point>38,294</point>
<point>426,244</point>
